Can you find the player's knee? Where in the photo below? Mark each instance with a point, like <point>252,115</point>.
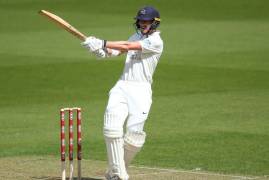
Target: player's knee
<point>135,136</point>
<point>134,139</point>
<point>112,126</point>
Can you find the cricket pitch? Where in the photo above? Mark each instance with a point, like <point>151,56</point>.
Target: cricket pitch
<point>48,168</point>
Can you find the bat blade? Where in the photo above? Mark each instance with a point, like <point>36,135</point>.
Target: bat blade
<point>64,24</point>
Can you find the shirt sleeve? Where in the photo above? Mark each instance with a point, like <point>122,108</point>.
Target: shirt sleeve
<point>151,45</point>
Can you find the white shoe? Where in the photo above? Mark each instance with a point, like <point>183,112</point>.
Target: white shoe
<point>112,177</point>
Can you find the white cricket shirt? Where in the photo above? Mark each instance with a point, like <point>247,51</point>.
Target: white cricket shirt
<point>140,64</point>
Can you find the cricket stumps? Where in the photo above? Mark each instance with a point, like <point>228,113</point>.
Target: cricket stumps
<point>70,113</point>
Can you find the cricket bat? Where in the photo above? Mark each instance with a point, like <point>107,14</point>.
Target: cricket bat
<point>64,24</point>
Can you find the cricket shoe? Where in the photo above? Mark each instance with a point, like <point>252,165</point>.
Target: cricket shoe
<point>112,177</point>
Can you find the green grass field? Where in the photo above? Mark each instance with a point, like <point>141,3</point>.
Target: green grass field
<point>210,92</point>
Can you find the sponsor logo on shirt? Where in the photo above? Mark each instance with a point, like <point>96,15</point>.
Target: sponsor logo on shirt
<point>135,56</point>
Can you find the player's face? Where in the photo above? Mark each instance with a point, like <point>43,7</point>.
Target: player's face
<point>144,26</point>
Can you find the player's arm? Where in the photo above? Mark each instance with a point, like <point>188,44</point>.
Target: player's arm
<point>123,46</point>
<point>116,48</point>
<point>103,48</point>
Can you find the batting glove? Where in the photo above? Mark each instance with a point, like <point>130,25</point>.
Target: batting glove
<point>94,44</point>
<point>100,53</point>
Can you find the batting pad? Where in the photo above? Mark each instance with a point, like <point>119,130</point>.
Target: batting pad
<point>115,153</point>
<point>112,128</point>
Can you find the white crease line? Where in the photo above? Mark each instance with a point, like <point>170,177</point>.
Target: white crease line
<point>154,173</point>
<point>192,172</point>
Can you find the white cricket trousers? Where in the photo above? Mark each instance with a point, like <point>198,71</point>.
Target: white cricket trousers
<point>129,101</point>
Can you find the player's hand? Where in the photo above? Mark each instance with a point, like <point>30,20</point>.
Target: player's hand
<point>100,53</point>
<point>93,43</point>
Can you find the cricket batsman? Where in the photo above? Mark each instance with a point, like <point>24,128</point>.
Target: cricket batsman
<point>131,97</point>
